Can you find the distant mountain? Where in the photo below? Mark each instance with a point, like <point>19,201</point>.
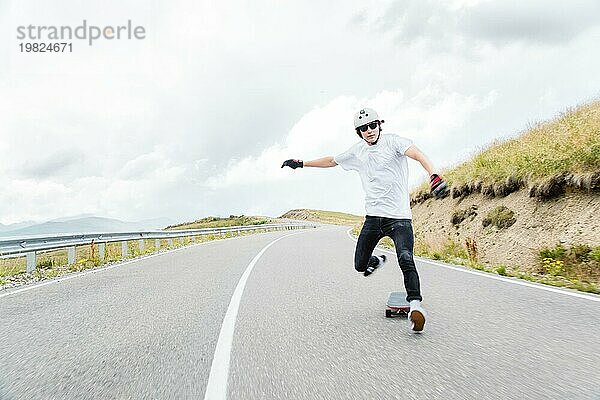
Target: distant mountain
<point>88,224</point>
<point>73,217</point>
<point>19,225</point>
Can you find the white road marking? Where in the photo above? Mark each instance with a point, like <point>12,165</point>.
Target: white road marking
<point>216,388</point>
<point>498,278</point>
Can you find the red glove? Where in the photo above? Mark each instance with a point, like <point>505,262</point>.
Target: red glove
<point>438,186</point>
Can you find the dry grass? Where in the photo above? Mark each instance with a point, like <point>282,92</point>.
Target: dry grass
<point>324,217</point>
<point>570,143</point>
<point>217,222</point>
<point>547,157</point>
<point>54,263</point>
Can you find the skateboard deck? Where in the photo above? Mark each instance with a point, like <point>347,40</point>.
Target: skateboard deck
<point>397,306</point>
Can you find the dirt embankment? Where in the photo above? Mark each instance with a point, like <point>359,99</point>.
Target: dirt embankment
<point>571,219</point>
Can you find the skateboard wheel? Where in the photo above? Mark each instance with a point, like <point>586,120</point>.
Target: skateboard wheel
<point>388,313</point>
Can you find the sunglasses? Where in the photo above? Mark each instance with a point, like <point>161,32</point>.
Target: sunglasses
<point>372,125</point>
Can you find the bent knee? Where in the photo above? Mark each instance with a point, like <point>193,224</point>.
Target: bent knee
<point>405,258</point>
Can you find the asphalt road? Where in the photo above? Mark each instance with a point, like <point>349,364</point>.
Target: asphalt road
<point>308,327</point>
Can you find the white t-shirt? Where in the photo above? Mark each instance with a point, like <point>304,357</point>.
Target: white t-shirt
<point>383,170</point>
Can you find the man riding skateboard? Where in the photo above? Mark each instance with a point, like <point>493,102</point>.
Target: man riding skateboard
<point>380,160</point>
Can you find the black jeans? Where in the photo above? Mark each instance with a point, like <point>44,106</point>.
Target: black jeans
<point>401,232</point>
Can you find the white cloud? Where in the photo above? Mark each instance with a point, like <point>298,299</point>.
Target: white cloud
<point>318,131</point>
<point>445,25</point>
<point>431,115</point>
<point>197,118</point>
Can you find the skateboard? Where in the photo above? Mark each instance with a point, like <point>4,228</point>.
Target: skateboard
<point>397,306</point>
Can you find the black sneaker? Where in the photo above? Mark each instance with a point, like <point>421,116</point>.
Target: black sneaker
<point>372,268</point>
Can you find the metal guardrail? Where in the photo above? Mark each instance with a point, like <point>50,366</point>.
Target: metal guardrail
<point>30,246</point>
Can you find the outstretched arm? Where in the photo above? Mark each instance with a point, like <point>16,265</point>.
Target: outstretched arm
<point>416,154</point>
<point>324,162</point>
<point>438,185</point>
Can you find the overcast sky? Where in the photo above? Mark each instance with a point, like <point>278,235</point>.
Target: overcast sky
<point>196,118</point>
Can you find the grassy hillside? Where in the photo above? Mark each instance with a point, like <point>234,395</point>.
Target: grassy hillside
<point>546,158</point>
<point>523,235</point>
<point>324,217</point>
<point>215,222</point>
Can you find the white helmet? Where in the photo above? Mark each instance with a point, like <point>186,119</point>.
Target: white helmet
<point>365,116</point>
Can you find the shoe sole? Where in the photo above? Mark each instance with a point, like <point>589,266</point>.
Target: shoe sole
<point>418,320</point>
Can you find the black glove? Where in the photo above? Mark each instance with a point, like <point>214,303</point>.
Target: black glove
<point>293,164</point>
<point>438,186</point>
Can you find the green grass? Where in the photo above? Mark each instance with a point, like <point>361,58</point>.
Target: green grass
<point>576,263</point>
<point>459,215</point>
<point>501,217</point>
